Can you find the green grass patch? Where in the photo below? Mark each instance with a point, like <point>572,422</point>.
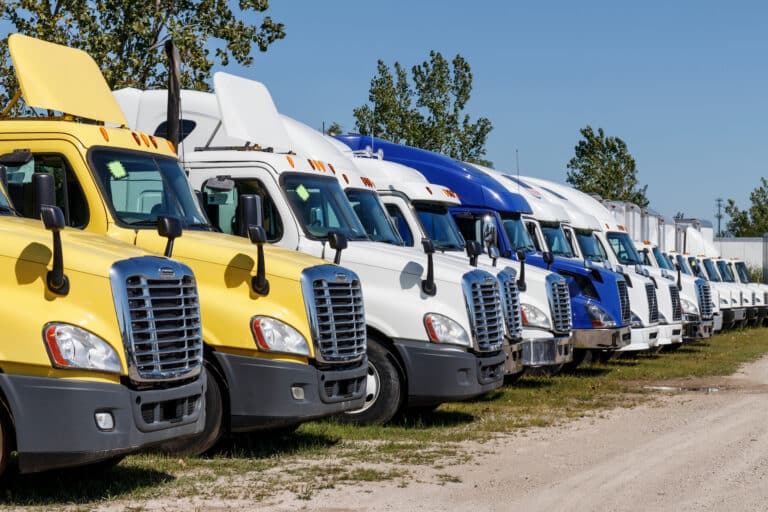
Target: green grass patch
<point>324,454</point>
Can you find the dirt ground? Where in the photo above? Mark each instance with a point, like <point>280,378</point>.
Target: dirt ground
<point>701,450</point>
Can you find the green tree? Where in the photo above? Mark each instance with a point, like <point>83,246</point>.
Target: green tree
<point>753,221</point>
<point>334,129</point>
<point>604,166</point>
<point>125,36</point>
<point>427,113</point>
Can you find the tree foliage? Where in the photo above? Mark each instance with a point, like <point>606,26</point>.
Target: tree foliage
<point>752,221</point>
<point>125,36</point>
<point>604,166</point>
<point>427,110</point>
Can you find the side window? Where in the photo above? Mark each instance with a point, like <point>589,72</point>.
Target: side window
<point>469,227</point>
<point>601,249</point>
<point>531,227</point>
<point>69,194</point>
<point>221,207</point>
<point>571,241</point>
<point>398,219</point>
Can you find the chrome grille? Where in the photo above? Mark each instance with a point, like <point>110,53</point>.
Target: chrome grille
<point>653,305</point>
<point>559,303</point>
<point>704,295</point>
<point>677,311</point>
<point>337,315</point>
<point>626,313</point>
<point>511,303</point>
<point>159,315</point>
<point>484,305</point>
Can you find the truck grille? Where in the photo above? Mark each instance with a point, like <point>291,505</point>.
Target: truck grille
<point>626,313</point>
<point>484,306</point>
<point>560,304</point>
<point>704,295</point>
<point>677,311</point>
<point>765,299</point>
<point>511,301</point>
<point>653,306</point>
<point>334,300</point>
<point>159,316</point>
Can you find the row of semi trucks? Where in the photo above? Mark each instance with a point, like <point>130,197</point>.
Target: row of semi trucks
<point>260,274</point>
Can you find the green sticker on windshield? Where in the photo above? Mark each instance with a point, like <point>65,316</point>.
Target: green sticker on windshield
<point>302,192</point>
<point>116,169</point>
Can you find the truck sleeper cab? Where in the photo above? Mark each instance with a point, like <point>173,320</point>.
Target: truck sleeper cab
<point>739,268</point>
<point>272,355</point>
<point>599,307</point>
<point>102,366</point>
<point>428,343</point>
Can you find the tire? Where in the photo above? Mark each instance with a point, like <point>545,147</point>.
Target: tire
<point>6,438</point>
<point>513,377</point>
<point>214,423</point>
<point>385,389</point>
<point>546,371</point>
<point>674,347</point>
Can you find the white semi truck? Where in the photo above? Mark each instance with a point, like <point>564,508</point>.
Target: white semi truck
<point>435,329</point>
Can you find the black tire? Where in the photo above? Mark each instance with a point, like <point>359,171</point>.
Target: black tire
<point>511,378</point>
<point>6,438</point>
<point>384,401</point>
<point>674,347</point>
<point>214,423</point>
<point>545,371</point>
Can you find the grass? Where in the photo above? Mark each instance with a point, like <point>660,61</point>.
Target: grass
<point>325,454</point>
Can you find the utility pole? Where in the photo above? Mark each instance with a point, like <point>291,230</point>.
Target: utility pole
<point>719,215</point>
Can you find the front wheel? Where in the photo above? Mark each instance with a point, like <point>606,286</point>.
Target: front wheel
<point>214,423</point>
<point>384,389</point>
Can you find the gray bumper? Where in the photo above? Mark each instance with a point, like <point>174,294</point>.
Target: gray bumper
<point>739,314</point>
<point>441,373</point>
<point>56,427</point>
<point>513,352</point>
<point>602,339</point>
<point>261,391</point>
<point>547,352</point>
<point>699,330</point>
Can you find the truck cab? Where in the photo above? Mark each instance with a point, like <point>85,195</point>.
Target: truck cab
<point>599,322</point>
<point>759,290</point>
<point>270,337</point>
<point>434,328</point>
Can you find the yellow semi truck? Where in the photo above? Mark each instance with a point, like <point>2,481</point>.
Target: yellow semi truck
<point>101,351</point>
<point>275,351</point>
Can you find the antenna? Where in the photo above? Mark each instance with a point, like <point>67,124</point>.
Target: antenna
<point>517,164</point>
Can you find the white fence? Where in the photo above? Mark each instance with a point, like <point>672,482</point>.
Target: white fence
<point>752,250</point>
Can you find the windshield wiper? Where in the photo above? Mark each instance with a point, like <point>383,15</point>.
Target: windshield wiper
<point>146,222</point>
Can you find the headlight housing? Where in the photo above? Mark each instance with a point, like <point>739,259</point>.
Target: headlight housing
<point>723,301</point>
<point>272,335</point>
<point>636,322</point>
<point>70,346</point>
<point>689,308</point>
<point>599,316</point>
<point>534,317</point>
<point>441,329</point>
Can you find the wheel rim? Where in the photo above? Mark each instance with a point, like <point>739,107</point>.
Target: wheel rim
<point>372,389</point>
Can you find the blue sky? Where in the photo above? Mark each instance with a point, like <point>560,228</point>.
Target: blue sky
<point>685,84</point>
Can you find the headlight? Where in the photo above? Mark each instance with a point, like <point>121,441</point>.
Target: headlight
<point>534,317</point>
<point>72,347</point>
<point>599,316</point>
<point>272,335</point>
<point>689,308</point>
<point>733,300</point>
<point>636,323</point>
<point>442,329</point>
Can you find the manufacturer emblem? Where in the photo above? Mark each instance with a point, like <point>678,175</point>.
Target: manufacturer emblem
<point>341,277</point>
<point>167,273</point>
<point>488,279</point>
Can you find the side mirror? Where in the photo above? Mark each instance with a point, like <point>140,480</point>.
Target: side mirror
<point>679,275</point>
<point>249,213</point>
<point>338,243</point>
<point>548,258</point>
<point>43,192</point>
<point>259,283</point>
<point>170,228</point>
<point>428,285</point>
<point>493,252</point>
<point>53,220</point>
<point>221,183</point>
<point>521,280</point>
<point>474,249</point>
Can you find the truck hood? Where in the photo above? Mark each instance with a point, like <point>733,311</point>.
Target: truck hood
<point>84,252</point>
<point>231,251</point>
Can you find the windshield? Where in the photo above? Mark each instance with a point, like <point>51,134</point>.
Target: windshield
<point>712,272</point>
<point>321,206</point>
<point>683,264</point>
<point>624,248</point>
<point>440,227</point>
<point>741,268</point>
<point>373,216</point>
<point>661,260</point>
<point>518,236</point>
<point>140,187</point>
<point>5,204</point>
<point>725,272</point>
<point>667,260</point>
<point>556,240</point>
<point>591,249</point>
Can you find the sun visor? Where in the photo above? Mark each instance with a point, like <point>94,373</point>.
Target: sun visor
<point>248,112</point>
<point>63,79</point>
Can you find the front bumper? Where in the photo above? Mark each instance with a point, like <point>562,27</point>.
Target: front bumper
<point>739,314</point>
<point>540,349</point>
<point>265,393</point>
<point>602,339</point>
<point>762,313</point>
<point>643,338</point>
<point>513,352</point>
<point>442,373</point>
<point>56,427</point>
<point>718,322</point>
<point>700,330</point>
<point>670,333</point>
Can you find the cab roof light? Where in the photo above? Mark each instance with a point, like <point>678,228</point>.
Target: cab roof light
<point>429,190</point>
<point>153,140</point>
<point>368,182</point>
<point>311,164</point>
<point>290,162</point>
<point>171,146</point>
<point>136,138</point>
<point>346,180</point>
<point>145,139</point>
<point>321,165</point>
<point>330,166</point>
<point>104,133</point>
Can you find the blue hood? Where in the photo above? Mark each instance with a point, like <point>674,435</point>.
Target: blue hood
<point>473,186</point>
